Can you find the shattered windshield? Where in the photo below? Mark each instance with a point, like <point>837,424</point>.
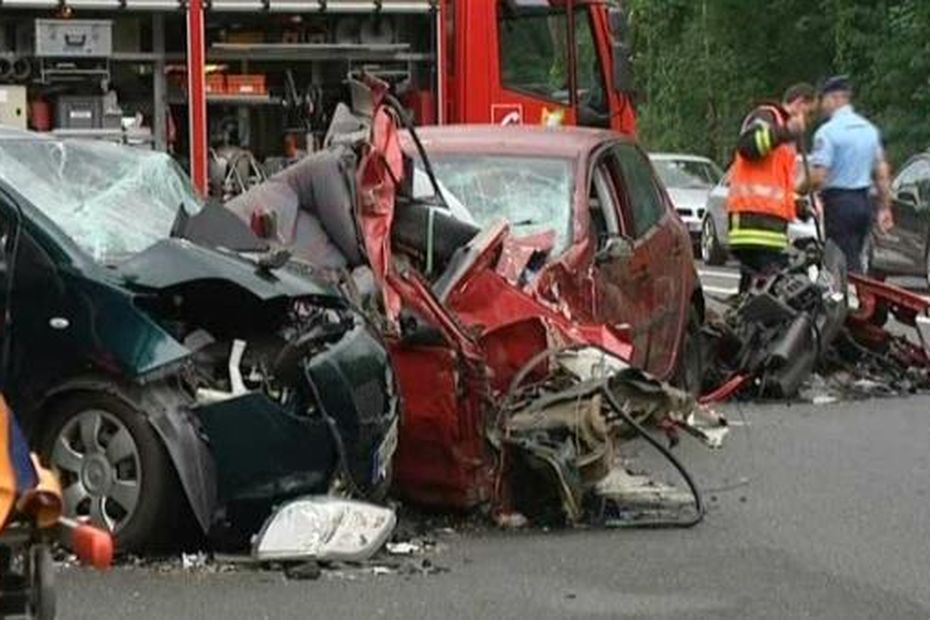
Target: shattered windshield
<point>687,174</point>
<point>113,201</point>
<point>533,193</point>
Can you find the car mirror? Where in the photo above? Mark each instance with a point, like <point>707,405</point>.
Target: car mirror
<point>615,248</point>
<point>908,197</point>
<point>620,52</point>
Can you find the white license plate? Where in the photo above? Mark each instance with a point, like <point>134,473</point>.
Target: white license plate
<point>385,453</point>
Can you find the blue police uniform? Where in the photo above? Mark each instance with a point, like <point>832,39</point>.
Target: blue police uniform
<point>848,146</point>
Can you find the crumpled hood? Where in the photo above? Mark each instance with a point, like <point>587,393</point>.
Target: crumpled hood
<point>174,262</point>
<point>687,198</point>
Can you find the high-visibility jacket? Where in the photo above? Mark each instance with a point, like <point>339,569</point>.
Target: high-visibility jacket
<point>760,202</point>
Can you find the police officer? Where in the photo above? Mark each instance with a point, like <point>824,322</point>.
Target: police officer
<point>847,158</point>
<point>760,203</point>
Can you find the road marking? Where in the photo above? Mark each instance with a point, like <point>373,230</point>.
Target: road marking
<point>727,291</point>
<point>719,273</point>
<point>719,290</point>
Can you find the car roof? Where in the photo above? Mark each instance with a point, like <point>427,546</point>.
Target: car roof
<point>568,142</point>
<point>679,157</point>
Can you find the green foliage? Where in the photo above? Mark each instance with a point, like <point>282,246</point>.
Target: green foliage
<point>702,64</point>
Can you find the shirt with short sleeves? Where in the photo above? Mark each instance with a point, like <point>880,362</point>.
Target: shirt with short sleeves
<point>848,146</point>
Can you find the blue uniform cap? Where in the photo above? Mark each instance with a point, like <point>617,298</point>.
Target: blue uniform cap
<point>837,83</point>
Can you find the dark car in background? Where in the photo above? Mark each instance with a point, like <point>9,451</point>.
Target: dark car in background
<point>163,378</point>
<point>905,249</point>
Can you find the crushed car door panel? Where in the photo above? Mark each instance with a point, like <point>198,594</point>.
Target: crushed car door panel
<point>622,278</point>
<point>656,259</point>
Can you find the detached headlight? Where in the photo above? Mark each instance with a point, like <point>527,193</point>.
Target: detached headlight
<point>324,528</point>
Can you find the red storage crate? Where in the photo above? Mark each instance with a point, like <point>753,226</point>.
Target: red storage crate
<point>246,84</point>
<point>216,83</point>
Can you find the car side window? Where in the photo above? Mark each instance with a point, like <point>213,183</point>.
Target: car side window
<point>601,205</point>
<point>646,205</point>
<point>915,179</point>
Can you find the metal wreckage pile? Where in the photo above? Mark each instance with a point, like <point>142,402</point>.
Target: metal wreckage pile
<point>513,404</point>
<point>517,404</point>
<point>814,332</point>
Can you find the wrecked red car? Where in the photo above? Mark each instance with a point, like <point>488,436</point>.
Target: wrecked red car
<point>590,222</point>
<point>478,310</point>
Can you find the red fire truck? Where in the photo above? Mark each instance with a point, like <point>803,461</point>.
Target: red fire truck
<point>250,64</point>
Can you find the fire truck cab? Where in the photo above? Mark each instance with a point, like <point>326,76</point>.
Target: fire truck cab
<point>537,61</point>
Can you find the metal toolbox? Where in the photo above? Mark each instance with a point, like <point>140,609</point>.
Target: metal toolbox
<point>77,112</point>
<point>73,38</point>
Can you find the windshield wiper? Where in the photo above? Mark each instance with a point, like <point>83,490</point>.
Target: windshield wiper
<point>179,226</point>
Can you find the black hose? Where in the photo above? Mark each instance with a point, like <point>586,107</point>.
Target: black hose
<point>527,367</point>
<point>699,507</point>
<point>336,434</point>
<point>398,107</point>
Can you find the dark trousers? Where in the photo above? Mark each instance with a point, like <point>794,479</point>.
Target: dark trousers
<point>757,262</point>
<point>848,220</point>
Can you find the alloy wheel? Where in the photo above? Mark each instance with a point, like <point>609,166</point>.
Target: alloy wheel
<point>708,240</point>
<point>100,468</point>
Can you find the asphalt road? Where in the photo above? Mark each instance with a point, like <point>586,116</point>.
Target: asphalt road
<point>830,522</point>
<point>815,512</point>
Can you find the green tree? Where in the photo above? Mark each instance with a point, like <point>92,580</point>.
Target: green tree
<point>702,65</point>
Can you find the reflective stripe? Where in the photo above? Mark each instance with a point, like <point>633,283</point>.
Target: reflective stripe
<point>764,238</point>
<point>757,190</point>
<point>760,143</point>
<point>767,140</point>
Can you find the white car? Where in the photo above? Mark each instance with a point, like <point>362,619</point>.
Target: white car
<point>715,241</point>
<point>689,180</point>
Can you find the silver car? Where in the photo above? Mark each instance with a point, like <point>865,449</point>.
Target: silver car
<point>715,242</point>
<point>689,180</point>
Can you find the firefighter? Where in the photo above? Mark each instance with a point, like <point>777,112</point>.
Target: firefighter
<point>761,200</point>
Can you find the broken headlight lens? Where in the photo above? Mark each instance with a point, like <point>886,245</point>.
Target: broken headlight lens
<point>324,528</point>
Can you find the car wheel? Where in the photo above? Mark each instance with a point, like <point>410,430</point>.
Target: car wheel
<point>42,601</point>
<point>711,252</point>
<point>113,468</point>
<point>689,373</point>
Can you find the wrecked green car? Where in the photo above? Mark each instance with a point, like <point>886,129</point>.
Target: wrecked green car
<point>167,382</point>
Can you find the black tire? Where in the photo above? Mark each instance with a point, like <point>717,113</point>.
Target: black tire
<point>42,601</point>
<point>158,498</point>
<point>689,372</point>
<point>712,253</point>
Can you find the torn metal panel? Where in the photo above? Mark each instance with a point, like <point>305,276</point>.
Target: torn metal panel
<point>561,437</point>
<point>443,457</point>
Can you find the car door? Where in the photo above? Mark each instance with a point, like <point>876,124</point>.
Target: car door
<point>619,271</point>
<point>911,208</point>
<point>661,248</point>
